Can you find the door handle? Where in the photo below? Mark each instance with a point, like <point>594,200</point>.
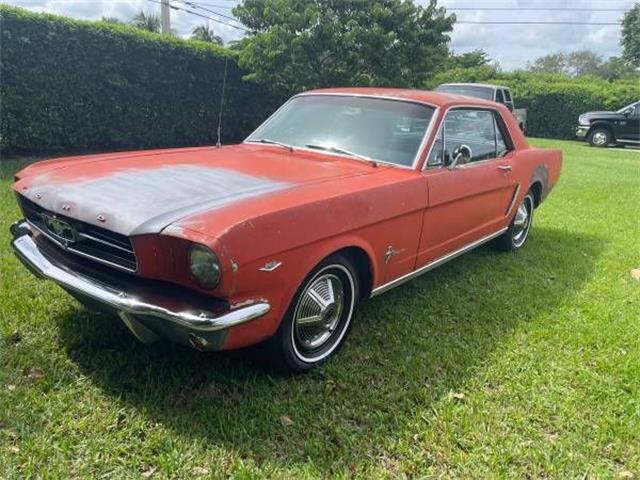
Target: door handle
<point>504,168</point>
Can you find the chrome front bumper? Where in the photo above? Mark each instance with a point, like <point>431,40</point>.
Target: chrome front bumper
<point>143,312</point>
<point>581,132</point>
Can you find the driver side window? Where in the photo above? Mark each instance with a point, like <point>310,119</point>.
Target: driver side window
<point>477,129</point>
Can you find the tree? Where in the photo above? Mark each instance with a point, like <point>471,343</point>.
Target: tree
<point>583,62</point>
<point>205,34</point>
<point>552,63</point>
<point>472,59</point>
<point>300,44</point>
<point>630,40</point>
<point>616,68</point>
<point>111,20</point>
<point>146,21</point>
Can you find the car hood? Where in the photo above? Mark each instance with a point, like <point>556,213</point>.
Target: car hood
<point>138,193</point>
<point>603,115</point>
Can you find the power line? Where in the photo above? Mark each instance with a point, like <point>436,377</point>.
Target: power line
<point>537,9</point>
<point>489,22</point>
<point>223,7</point>
<point>202,16</point>
<point>195,5</point>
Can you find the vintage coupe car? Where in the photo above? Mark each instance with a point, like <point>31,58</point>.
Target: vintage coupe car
<point>341,194</point>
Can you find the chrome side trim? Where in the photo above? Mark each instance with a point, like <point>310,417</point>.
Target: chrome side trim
<point>627,141</point>
<point>193,321</point>
<point>435,263</point>
<point>513,200</point>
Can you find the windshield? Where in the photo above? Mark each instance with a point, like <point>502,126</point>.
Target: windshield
<point>388,131</point>
<point>633,105</point>
<point>486,93</point>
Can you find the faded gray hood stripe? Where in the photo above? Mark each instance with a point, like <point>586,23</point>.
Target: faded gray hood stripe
<point>139,201</point>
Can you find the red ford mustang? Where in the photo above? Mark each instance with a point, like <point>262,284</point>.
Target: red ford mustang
<point>340,195</point>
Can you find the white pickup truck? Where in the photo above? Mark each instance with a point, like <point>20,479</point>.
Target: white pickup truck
<point>485,91</point>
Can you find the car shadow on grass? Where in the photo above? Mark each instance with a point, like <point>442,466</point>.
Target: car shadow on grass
<point>409,348</point>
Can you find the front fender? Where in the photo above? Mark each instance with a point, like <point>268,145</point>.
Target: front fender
<point>280,284</point>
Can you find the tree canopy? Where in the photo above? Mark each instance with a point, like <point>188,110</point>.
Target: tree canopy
<point>302,44</point>
<point>631,36</point>
<point>205,34</point>
<point>583,62</point>
<point>146,21</point>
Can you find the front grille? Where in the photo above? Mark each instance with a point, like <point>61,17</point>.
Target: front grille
<point>86,240</point>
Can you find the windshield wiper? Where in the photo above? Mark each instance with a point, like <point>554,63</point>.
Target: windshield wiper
<point>342,151</point>
<point>273,142</point>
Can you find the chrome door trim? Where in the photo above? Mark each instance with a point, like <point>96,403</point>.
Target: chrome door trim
<point>435,263</point>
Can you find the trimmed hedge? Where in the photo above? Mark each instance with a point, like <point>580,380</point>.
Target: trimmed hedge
<point>69,85</point>
<point>554,102</point>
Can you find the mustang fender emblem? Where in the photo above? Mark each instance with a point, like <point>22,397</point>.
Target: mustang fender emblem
<point>390,253</point>
<point>270,266</point>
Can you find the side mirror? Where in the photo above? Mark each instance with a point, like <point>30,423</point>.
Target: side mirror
<point>462,154</point>
<point>627,112</point>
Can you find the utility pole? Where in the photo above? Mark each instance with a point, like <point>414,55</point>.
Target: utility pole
<point>165,18</point>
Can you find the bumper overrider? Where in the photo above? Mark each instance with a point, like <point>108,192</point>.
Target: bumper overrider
<point>150,309</point>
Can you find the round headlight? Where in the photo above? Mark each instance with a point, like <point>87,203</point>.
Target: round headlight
<point>204,266</point>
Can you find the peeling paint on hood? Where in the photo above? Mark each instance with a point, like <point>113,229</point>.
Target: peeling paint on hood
<point>138,201</point>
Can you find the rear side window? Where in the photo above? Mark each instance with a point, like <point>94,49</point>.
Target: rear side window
<point>480,130</point>
<point>499,96</point>
<point>507,95</point>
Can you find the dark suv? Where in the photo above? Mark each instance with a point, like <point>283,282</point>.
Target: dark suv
<point>601,129</point>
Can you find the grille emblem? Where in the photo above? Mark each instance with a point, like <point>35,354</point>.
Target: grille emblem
<point>59,228</point>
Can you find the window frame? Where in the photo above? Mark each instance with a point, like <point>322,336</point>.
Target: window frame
<point>499,124</point>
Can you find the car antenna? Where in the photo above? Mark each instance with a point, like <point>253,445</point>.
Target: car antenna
<point>224,84</point>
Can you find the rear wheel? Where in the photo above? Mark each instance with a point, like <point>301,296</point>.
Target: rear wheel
<point>516,235</point>
<point>319,316</point>
<point>600,137</point>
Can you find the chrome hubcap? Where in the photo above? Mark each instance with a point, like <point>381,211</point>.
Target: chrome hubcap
<point>319,311</point>
<point>599,138</point>
<point>522,222</point>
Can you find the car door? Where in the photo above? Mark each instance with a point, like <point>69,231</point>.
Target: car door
<point>629,127</point>
<point>470,201</point>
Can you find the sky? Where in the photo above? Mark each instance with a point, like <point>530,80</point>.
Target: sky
<point>510,45</point>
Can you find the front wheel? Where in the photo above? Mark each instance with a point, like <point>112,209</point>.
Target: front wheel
<point>516,235</point>
<point>319,316</point>
<point>600,137</point>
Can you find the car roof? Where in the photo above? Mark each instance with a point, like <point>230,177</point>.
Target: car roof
<point>485,85</point>
<point>429,97</point>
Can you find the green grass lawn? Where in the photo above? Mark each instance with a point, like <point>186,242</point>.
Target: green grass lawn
<point>495,365</point>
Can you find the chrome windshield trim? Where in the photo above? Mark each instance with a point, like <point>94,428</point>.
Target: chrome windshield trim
<point>435,263</point>
<point>421,146</point>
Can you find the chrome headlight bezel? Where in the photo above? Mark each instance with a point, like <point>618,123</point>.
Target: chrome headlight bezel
<point>584,121</point>
<point>204,266</point>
